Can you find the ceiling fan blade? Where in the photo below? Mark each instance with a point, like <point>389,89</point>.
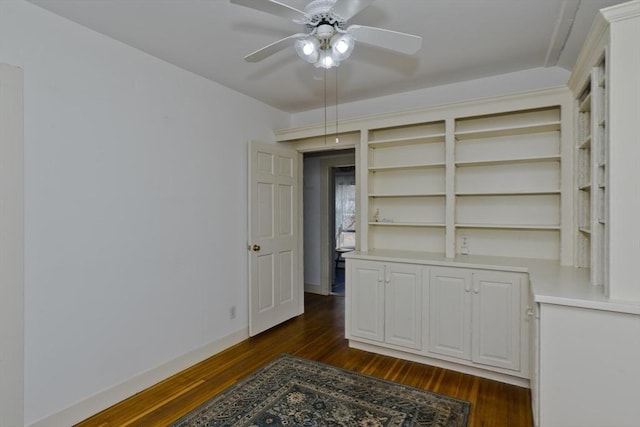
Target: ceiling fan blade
<point>275,8</point>
<point>388,39</point>
<point>274,47</point>
<point>346,9</point>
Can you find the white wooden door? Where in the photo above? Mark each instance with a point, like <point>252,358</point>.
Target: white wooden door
<point>365,298</point>
<point>403,305</point>
<point>274,285</point>
<point>450,312</point>
<point>496,319</point>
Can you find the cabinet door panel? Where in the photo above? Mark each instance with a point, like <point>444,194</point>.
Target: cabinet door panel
<point>449,312</point>
<point>496,319</point>
<point>366,294</point>
<point>403,305</point>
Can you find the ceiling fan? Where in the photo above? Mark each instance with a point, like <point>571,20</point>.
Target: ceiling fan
<point>327,40</point>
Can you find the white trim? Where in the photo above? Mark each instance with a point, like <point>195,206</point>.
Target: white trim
<point>11,246</point>
<point>621,12</point>
<point>596,38</point>
<point>591,49</point>
<point>136,384</point>
<point>528,99</point>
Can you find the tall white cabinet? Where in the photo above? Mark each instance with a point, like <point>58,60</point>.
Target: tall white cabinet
<point>588,324</point>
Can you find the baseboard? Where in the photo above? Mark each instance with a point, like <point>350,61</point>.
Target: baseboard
<point>496,376</point>
<point>104,399</point>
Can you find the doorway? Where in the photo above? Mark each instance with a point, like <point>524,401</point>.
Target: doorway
<point>343,226</point>
<point>320,234</point>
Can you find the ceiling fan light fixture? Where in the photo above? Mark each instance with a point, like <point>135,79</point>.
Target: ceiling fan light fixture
<point>308,48</point>
<point>342,46</point>
<point>326,60</point>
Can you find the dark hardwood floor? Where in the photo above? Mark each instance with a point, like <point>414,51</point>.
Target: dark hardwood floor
<point>317,335</point>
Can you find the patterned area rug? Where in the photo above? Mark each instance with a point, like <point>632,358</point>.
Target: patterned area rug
<point>292,391</point>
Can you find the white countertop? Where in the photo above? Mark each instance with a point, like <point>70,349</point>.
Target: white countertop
<point>551,283</point>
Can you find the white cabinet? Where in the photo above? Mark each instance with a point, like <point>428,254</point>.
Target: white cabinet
<point>385,302</point>
<point>476,316</point>
<point>497,315</point>
<point>365,291</point>
<point>450,312</point>
<point>443,313</point>
<point>403,305</point>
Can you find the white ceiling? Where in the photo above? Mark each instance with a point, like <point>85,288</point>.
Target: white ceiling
<point>462,40</point>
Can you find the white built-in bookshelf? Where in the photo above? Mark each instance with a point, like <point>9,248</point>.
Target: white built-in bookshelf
<point>493,173</point>
<point>499,186</point>
<point>592,174</point>
<point>406,186</point>
<point>507,182</point>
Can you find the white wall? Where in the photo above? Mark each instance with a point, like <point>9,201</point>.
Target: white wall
<point>135,193</point>
<point>11,246</point>
<point>520,81</point>
<point>624,155</point>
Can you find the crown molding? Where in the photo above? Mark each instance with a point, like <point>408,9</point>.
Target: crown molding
<point>622,11</point>
<point>597,38</point>
<point>492,104</point>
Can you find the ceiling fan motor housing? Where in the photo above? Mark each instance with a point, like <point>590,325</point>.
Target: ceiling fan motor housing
<point>323,20</point>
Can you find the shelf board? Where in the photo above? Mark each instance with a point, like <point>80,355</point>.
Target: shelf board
<point>584,230</point>
<point>511,226</point>
<point>586,143</point>
<point>412,140</point>
<point>538,159</point>
<point>374,195</point>
<point>406,167</point>
<point>514,130</point>
<point>407,224</point>
<point>585,104</point>
<point>509,193</point>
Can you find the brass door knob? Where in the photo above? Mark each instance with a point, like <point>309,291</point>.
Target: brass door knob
<point>254,248</point>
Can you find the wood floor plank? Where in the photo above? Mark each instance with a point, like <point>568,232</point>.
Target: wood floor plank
<point>316,335</point>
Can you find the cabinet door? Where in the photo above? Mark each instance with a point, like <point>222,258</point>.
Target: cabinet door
<point>496,319</point>
<point>403,305</point>
<point>450,312</point>
<point>365,290</point>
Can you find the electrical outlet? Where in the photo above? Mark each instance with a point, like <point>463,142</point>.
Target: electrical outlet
<point>232,312</point>
<point>464,245</point>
